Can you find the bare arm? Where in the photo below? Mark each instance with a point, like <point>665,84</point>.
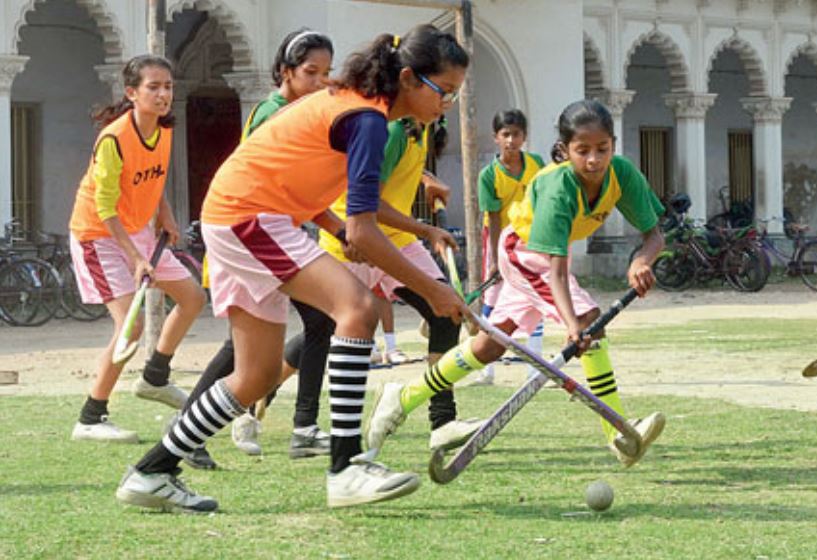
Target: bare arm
<point>494,230</point>
<point>439,238</point>
<point>560,287</point>
<point>640,275</point>
<point>363,233</point>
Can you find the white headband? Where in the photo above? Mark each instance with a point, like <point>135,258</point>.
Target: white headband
<point>295,40</point>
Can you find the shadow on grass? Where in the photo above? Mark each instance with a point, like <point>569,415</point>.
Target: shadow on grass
<point>42,489</point>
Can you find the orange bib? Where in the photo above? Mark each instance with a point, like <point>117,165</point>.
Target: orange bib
<point>141,183</point>
<point>288,165</point>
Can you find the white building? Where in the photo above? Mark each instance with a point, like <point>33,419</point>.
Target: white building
<point>706,93</point>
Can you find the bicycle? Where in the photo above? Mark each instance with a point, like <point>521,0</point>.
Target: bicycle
<point>29,289</point>
<point>803,259</point>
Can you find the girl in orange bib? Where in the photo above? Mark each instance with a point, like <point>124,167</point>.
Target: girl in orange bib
<point>288,171</point>
<point>112,241</point>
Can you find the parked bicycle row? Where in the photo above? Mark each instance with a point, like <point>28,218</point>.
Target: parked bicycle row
<point>740,257</point>
<point>37,281</point>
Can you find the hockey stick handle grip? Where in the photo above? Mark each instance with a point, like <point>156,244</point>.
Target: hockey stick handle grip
<point>617,306</point>
<point>440,214</point>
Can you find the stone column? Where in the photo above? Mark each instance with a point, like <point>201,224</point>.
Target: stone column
<point>767,142</point>
<point>111,75</point>
<point>251,86</point>
<point>690,133</point>
<point>178,194</point>
<point>10,66</point>
<point>616,100</point>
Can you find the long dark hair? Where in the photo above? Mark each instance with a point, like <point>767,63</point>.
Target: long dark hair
<point>510,117</point>
<point>375,70</point>
<point>295,48</point>
<point>132,77</point>
<point>576,115</point>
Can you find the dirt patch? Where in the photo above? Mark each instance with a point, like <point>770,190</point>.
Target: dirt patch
<point>60,357</point>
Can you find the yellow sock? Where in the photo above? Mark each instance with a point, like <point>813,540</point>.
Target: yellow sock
<point>599,372</point>
<point>450,368</point>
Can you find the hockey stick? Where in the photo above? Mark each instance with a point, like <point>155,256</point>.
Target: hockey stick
<point>124,348</point>
<point>630,444</point>
<point>810,370</point>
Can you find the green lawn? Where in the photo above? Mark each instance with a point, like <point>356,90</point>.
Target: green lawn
<point>722,482</point>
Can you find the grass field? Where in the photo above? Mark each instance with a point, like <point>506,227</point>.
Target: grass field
<point>722,482</point>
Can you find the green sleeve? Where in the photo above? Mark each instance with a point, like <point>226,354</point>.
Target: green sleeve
<point>554,208</point>
<point>107,171</point>
<point>638,203</point>
<point>264,110</point>
<point>488,201</point>
<point>394,150</point>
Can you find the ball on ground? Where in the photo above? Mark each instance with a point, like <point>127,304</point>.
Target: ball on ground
<point>599,496</point>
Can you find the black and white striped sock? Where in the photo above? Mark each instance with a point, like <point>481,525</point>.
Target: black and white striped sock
<point>213,410</point>
<point>348,367</point>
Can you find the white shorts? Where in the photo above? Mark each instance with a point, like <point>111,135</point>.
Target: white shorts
<point>525,297</point>
<point>104,272</point>
<point>489,296</point>
<point>249,261</point>
<point>373,277</point>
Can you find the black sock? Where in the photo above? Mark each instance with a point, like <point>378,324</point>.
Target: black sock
<point>442,409</point>
<point>348,368</point>
<point>158,460</point>
<point>93,410</point>
<point>157,369</point>
<point>220,366</point>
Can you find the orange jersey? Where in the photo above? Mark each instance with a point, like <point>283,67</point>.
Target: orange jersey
<point>288,165</point>
<point>141,182</point>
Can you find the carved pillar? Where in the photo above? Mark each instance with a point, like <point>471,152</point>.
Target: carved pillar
<point>616,100</point>
<point>111,75</point>
<point>178,188</point>
<point>690,122</point>
<point>252,87</point>
<point>767,142</point>
<point>10,66</point>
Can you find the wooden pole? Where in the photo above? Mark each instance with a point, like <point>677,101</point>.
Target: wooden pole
<point>155,299</point>
<point>470,163</point>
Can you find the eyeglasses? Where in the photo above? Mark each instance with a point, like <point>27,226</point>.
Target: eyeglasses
<point>446,96</point>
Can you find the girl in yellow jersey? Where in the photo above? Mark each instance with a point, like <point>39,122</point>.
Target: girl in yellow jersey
<point>565,202</point>
<point>289,171</point>
<point>111,239</point>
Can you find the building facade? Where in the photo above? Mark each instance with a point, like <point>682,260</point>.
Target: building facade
<point>716,98</point>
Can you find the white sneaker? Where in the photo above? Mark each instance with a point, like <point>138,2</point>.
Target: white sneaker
<point>168,394</point>
<point>453,434</point>
<point>649,429</point>
<point>376,357</point>
<point>395,357</point>
<point>245,434</point>
<point>366,482</point>
<point>484,377</point>
<point>161,491</point>
<point>103,431</point>
<point>387,415</point>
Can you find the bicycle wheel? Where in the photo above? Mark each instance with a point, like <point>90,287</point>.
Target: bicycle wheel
<point>674,270</point>
<point>29,291</point>
<point>71,300</point>
<point>745,268</point>
<point>807,264</point>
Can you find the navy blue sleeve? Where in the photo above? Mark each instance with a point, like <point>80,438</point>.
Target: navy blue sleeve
<point>363,137</point>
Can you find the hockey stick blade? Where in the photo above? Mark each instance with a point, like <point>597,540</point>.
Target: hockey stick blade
<point>630,443</point>
<point>810,370</point>
<point>125,348</point>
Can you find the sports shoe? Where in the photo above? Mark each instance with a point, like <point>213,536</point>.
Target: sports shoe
<point>366,482</point>
<point>168,394</point>
<point>484,377</point>
<point>245,434</point>
<point>103,431</point>
<point>395,357</point>
<point>316,442</point>
<point>649,429</point>
<point>377,356</point>
<point>201,459</point>
<point>161,491</point>
<point>454,433</point>
<point>387,415</point>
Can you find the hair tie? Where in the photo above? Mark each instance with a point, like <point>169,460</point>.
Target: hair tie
<point>395,42</point>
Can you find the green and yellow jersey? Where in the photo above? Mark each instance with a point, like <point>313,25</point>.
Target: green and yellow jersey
<point>262,111</point>
<point>498,189</point>
<point>555,210</point>
<point>400,174</point>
